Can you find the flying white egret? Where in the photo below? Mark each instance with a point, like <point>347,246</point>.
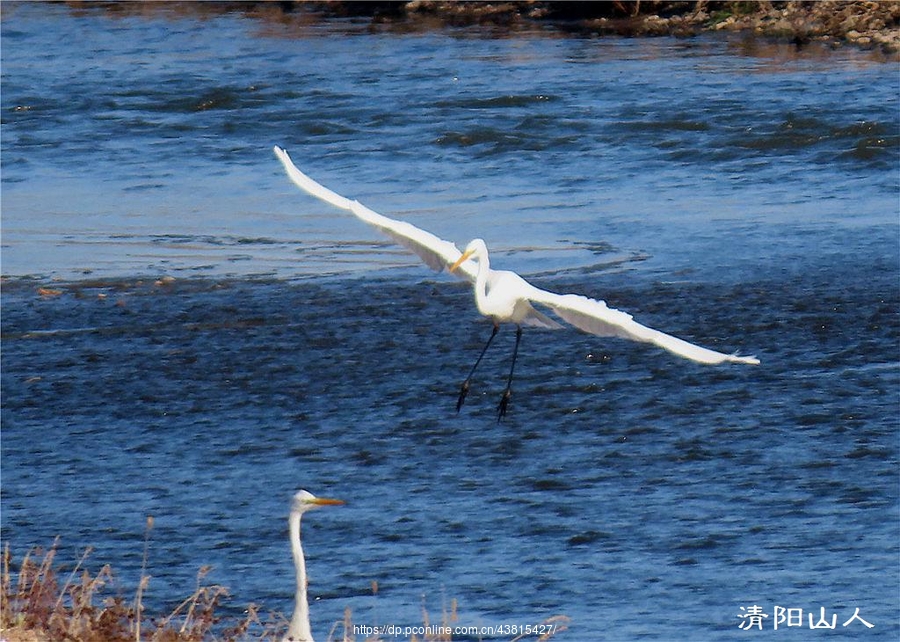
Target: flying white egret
<point>299,629</point>
<point>504,296</point>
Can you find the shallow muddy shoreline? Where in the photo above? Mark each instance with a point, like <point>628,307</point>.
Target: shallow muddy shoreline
<point>868,25</point>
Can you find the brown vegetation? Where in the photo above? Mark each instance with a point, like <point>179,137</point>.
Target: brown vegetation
<point>40,603</point>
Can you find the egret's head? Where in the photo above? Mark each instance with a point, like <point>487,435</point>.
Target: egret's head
<point>304,501</point>
<point>475,247</point>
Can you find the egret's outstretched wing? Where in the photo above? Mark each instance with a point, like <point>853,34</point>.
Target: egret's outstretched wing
<point>437,253</point>
<point>596,317</point>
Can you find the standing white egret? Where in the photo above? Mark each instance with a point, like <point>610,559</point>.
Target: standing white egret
<point>504,296</point>
<point>299,630</point>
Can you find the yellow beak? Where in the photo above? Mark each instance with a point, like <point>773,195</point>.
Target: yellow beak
<point>325,501</point>
<point>461,260</point>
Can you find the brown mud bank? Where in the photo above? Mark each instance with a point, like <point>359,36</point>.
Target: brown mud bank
<point>867,25</point>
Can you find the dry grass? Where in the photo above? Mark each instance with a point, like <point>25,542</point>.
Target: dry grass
<point>37,604</point>
<point>40,603</point>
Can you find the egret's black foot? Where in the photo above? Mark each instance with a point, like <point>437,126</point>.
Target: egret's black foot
<point>504,402</point>
<point>462,395</point>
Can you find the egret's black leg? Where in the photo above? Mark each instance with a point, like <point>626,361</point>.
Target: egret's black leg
<point>465,386</point>
<point>504,401</point>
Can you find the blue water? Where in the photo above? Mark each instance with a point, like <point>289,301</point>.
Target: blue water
<point>220,340</point>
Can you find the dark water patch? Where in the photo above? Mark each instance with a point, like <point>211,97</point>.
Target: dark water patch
<point>672,123</point>
<point>870,141</point>
<point>496,102</point>
<point>588,537</point>
<point>497,141</point>
<point>699,544</point>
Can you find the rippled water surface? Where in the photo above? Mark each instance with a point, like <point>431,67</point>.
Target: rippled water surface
<point>187,336</point>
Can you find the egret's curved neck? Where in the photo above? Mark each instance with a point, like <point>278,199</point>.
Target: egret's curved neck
<point>484,268</point>
<point>299,630</point>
